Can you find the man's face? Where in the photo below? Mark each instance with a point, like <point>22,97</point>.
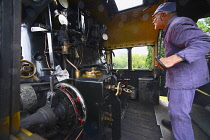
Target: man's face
<point>158,20</point>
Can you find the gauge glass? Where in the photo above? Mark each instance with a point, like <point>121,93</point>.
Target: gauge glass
<point>63,20</point>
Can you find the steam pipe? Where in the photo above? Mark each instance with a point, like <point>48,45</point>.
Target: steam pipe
<point>44,115</point>
<point>77,73</point>
<point>71,64</point>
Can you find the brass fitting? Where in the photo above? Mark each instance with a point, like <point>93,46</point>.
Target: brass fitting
<point>77,73</point>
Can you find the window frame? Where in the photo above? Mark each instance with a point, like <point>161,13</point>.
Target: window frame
<point>113,9</point>
<point>127,5</point>
<point>129,60</point>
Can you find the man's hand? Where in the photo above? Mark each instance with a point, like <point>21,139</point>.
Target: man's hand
<point>171,60</point>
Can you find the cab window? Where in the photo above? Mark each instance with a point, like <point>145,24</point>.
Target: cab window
<point>141,58</point>
<point>120,59</point>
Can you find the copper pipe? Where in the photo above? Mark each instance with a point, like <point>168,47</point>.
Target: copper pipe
<point>77,72</point>
<point>67,136</point>
<point>72,64</point>
<point>202,92</point>
<point>79,134</point>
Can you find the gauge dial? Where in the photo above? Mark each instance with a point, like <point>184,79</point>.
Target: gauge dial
<point>105,36</point>
<point>64,3</point>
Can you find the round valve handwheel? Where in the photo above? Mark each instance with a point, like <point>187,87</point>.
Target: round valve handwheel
<point>27,69</point>
<point>127,90</point>
<point>119,89</point>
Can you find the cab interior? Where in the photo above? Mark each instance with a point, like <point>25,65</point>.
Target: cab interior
<point>59,77</point>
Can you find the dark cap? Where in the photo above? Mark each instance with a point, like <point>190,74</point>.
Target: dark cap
<point>167,6</point>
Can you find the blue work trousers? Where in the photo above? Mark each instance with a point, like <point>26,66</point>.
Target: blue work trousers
<point>180,105</point>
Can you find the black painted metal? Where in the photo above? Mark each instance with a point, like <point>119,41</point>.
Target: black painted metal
<point>129,58</point>
<point>10,62</point>
<point>33,10</point>
<point>44,116</point>
<point>100,101</point>
<point>148,92</point>
<point>133,75</point>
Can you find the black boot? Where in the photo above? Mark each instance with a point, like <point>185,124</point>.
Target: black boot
<point>166,123</point>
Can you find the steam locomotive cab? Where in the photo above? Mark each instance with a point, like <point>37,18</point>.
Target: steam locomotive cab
<point>57,75</point>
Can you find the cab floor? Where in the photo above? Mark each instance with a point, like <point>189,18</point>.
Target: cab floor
<point>139,122</point>
<point>143,122</point>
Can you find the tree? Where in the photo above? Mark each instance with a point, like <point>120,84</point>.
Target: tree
<point>121,61</point>
<point>149,58</point>
<point>138,61</point>
<point>204,24</point>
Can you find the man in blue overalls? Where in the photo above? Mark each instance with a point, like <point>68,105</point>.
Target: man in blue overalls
<point>185,49</point>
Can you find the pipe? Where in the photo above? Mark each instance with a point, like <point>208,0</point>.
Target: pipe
<point>71,64</point>
<point>67,136</point>
<point>79,134</point>
<point>44,115</point>
<point>202,92</point>
<point>77,73</point>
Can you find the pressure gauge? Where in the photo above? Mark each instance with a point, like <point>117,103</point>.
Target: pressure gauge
<point>62,19</point>
<point>105,36</point>
<point>64,3</point>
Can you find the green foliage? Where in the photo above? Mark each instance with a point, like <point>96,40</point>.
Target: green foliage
<point>121,61</point>
<point>161,52</point>
<point>139,61</point>
<point>204,24</point>
<point>149,58</point>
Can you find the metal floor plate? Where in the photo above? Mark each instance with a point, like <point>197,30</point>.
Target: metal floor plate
<point>139,122</point>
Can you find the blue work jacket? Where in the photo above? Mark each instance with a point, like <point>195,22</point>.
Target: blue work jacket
<point>184,38</point>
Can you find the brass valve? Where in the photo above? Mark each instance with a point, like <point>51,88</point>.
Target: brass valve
<point>119,88</point>
<point>107,117</point>
<point>28,70</point>
<point>92,74</point>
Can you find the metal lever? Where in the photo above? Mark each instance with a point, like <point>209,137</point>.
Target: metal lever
<point>49,39</point>
<point>50,94</point>
<point>47,69</point>
<point>49,42</point>
<point>161,64</point>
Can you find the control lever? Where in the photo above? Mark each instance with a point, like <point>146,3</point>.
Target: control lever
<point>50,94</point>
<point>50,45</point>
<point>160,64</point>
<point>49,39</point>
